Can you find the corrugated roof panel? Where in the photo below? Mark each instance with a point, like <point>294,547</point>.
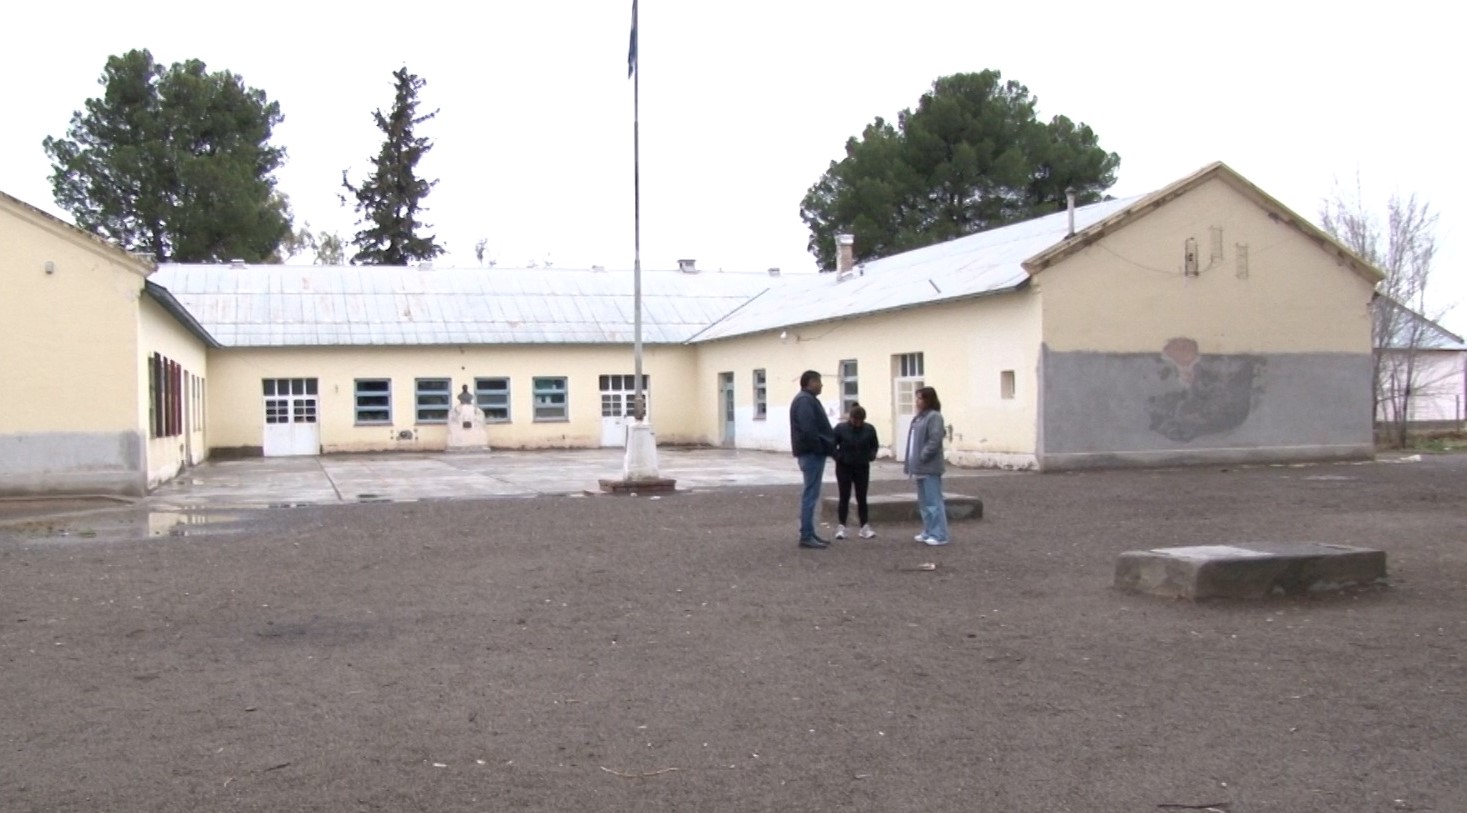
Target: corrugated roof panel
<point>362,305</point>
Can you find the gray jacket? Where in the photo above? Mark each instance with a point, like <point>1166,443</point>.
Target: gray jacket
<point>924,444</point>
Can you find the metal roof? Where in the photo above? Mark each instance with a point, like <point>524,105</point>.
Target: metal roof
<point>983,263</point>
<point>291,306</point>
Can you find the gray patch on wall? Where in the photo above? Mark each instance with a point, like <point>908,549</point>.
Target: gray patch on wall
<point>72,463</point>
<point>1180,403</point>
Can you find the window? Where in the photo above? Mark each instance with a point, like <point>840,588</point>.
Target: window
<point>761,396</point>
<point>492,395</point>
<point>1006,384</point>
<point>290,400</point>
<point>909,365</point>
<point>374,400</point>
<point>551,399</point>
<point>619,395</point>
<point>849,392</point>
<point>165,396</point>
<point>434,397</point>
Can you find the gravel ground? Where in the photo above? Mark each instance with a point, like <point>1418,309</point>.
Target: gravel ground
<point>681,653</point>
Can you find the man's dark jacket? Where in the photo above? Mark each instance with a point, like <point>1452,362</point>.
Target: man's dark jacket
<point>810,431</point>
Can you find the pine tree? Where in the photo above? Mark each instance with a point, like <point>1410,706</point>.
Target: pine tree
<point>971,156</point>
<point>176,162</point>
<point>390,201</point>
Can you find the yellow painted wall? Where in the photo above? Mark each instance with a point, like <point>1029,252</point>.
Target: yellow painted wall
<point>236,407</point>
<point>161,333</point>
<point>1128,293</point>
<point>69,336</point>
<point>966,346</point>
<point>1262,355</point>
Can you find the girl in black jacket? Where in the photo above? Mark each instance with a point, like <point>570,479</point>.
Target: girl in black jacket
<point>855,448</point>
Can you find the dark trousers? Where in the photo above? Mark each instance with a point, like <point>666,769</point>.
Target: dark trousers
<point>858,475</point>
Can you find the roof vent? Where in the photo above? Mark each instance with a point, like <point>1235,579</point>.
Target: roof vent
<point>774,272</point>
<point>687,266</point>
<point>425,265</point>
<point>598,268</point>
<point>237,262</point>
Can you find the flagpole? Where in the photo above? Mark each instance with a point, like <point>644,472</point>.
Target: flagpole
<point>639,404</point>
<point>639,470</point>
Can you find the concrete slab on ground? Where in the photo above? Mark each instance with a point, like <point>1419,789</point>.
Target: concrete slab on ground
<point>1248,570</point>
<point>886,508</point>
<point>408,476</point>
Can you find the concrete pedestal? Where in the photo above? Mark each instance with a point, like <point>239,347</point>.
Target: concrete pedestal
<point>639,468</point>
<point>1248,570</point>
<point>466,432</point>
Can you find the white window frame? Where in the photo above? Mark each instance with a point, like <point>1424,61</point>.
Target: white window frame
<point>761,395</point>
<point>849,387</point>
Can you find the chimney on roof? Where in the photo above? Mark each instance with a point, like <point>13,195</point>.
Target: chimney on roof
<point>1070,204</point>
<point>236,263</point>
<point>687,266</point>
<point>845,253</point>
<point>774,272</point>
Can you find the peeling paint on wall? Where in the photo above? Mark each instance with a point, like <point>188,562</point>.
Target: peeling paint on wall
<point>1203,395</point>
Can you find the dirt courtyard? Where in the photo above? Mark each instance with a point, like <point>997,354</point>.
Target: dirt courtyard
<point>681,653</point>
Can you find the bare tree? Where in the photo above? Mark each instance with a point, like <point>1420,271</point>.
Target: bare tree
<point>1401,329</point>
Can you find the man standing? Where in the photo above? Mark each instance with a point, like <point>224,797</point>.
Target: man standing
<point>811,440</point>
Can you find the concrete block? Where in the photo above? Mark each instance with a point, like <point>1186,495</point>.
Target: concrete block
<point>1248,570</point>
<point>650,485</point>
<point>886,508</point>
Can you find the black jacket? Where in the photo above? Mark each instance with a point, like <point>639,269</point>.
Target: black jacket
<point>855,446</point>
<point>810,431</point>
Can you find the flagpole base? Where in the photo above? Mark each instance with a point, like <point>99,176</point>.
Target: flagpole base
<point>639,467</point>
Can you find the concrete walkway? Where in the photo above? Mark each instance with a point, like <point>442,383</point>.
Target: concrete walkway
<point>286,481</point>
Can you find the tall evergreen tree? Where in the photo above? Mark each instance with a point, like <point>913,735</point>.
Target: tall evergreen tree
<point>391,199</point>
<point>176,162</point>
<point>971,156</point>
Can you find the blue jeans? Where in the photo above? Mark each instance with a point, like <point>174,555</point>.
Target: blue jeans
<point>932,506</point>
<point>813,467</point>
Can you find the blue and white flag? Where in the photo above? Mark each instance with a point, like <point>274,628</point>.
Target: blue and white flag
<point>632,50</point>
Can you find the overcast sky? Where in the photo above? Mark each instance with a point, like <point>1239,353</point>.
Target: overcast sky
<point>744,105</point>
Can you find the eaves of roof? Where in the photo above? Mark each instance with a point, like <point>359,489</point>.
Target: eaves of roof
<point>160,295</point>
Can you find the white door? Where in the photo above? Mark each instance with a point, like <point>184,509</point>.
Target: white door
<point>618,402</point>
<point>290,417</point>
<point>906,380</point>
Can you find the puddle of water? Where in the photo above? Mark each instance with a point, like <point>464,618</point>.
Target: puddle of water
<point>186,523</point>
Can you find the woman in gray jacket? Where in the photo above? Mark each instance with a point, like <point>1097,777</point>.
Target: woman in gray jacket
<point>925,464</point>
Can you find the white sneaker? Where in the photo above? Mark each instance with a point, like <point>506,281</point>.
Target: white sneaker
<point>934,542</point>
<point>840,532</point>
<point>920,538</point>
<point>867,533</point>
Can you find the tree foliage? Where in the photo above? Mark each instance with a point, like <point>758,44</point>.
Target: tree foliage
<point>971,156</point>
<point>176,162</point>
<point>390,200</point>
<point>1403,249</point>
